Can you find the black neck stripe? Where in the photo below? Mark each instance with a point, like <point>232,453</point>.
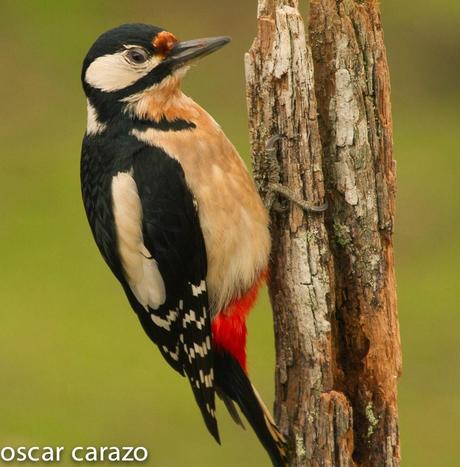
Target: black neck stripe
<point>163,124</point>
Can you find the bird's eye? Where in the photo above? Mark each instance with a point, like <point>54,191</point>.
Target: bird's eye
<point>137,56</point>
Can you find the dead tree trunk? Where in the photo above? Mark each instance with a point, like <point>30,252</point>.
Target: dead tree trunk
<point>332,279</point>
<point>353,92</point>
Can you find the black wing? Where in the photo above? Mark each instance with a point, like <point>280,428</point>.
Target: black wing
<point>173,236</point>
<point>181,326</point>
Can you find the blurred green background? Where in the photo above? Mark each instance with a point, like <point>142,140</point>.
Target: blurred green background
<point>75,367</point>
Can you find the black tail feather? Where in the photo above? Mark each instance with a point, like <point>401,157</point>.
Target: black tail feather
<point>234,383</point>
<point>232,410</point>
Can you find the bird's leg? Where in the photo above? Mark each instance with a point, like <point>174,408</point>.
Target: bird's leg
<point>272,170</point>
<point>274,187</point>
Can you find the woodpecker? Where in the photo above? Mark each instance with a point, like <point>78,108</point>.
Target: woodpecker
<point>176,216</point>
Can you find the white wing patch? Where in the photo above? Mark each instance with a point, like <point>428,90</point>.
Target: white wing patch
<point>197,290</point>
<point>165,323</point>
<point>141,270</point>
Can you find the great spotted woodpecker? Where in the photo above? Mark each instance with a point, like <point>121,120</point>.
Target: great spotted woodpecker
<point>176,215</point>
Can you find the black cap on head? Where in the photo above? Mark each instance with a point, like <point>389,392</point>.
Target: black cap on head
<point>130,58</point>
<point>111,42</point>
<point>114,39</point>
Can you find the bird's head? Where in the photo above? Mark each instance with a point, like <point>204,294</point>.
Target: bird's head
<point>133,59</point>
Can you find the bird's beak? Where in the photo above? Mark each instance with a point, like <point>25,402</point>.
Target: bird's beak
<point>184,52</point>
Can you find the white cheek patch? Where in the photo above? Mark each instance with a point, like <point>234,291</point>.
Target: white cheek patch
<point>114,72</point>
<point>141,270</point>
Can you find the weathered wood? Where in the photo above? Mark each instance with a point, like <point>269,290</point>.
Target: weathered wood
<point>353,90</point>
<point>332,280</point>
<point>281,100</point>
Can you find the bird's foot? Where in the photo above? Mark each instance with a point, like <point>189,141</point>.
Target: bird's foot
<point>288,194</point>
<point>276,189</point>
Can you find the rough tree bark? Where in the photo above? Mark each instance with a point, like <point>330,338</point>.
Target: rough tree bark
<point>332,281</point>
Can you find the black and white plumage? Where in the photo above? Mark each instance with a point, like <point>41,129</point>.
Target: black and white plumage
<point>175,215</point>
<point>174,312</point>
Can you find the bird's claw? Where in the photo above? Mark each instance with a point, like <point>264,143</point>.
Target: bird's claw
<point>276,188</point>
<point>280,207</point>
<point>270,145</point>
<point>288,194</point>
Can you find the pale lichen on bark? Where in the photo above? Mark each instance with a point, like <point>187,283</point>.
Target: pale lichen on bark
<point>353,92</point>
<point>332,280</point>
<point>279,72</point>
